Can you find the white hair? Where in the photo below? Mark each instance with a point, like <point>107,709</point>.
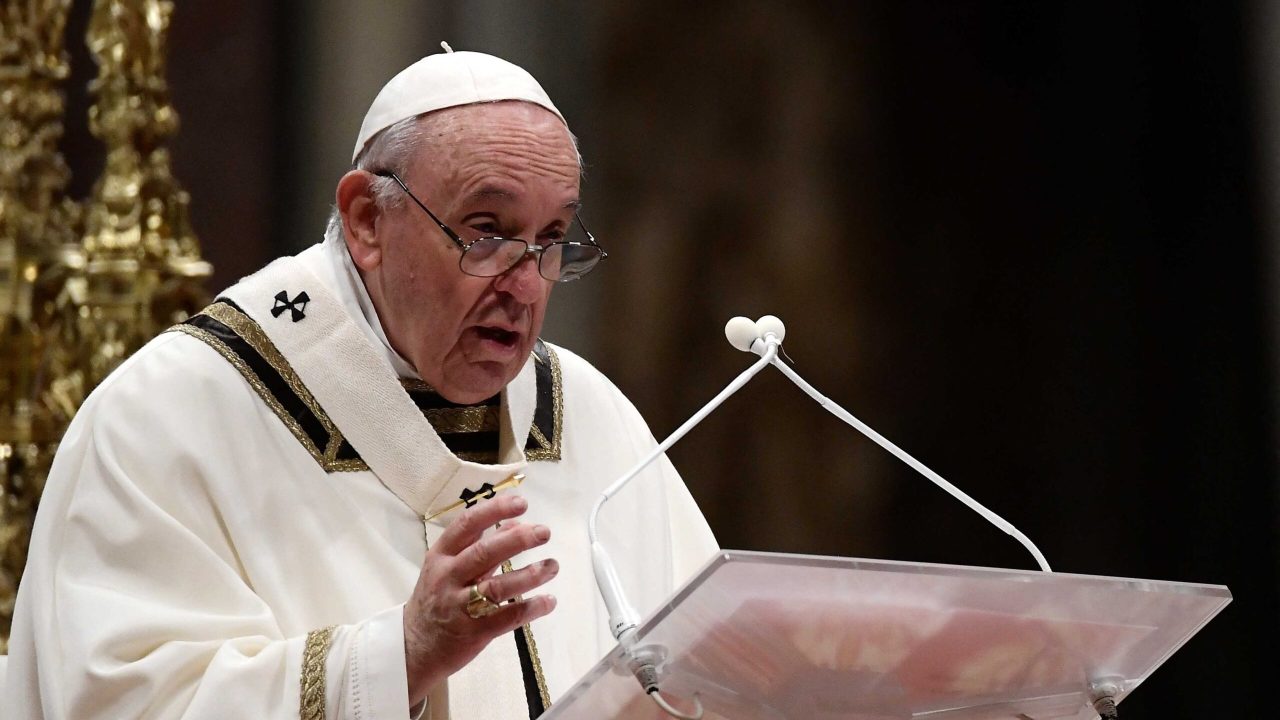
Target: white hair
<point>391,149</point>
<point>388,150</point>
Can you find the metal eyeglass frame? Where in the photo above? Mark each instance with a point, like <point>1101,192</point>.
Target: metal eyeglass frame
<point>534,248</point>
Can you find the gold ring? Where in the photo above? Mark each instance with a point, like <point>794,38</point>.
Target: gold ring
<point>478,605</point>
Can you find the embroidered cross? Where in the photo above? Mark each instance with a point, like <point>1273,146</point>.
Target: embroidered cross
<point>296,306</point>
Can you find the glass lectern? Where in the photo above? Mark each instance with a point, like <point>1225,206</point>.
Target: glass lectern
<point>785,637</point>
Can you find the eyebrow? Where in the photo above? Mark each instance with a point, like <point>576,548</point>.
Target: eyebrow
<point>491,193</point>
<point>496,193</point>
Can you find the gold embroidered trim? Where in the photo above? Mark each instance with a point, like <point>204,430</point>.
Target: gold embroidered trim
<point>537,668</point>
<point>533,653</point>
<point>550,449</point>
<point>539,438</point>
<point>482,458</point>
<point>311,697</point>
<point>463,419</point>
<point>488,418</point>
<point>414,385</point>
<point>249,331</point>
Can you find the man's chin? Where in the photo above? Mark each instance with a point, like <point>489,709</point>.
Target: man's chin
<point>479,382</point>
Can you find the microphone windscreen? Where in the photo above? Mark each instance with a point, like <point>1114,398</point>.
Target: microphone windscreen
<point>741,332</point>
<point>771,324</point>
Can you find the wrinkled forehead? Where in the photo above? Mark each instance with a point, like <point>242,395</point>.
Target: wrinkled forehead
<point>496,122</point>
<point>518,139</point>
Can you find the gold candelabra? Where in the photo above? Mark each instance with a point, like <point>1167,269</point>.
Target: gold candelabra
<point>81,285</point>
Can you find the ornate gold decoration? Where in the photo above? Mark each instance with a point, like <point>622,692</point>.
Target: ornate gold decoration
<point>79,289</point>
<point>311,701</point>
<point>36,221</point>
<point>142,269</point>
<point>470,419</point>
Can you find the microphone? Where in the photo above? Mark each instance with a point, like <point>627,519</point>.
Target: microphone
<point>749,336</point>
<point>742,333</point>
<point>771,325</point>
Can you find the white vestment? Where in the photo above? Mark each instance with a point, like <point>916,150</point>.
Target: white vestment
<point>260,475</point>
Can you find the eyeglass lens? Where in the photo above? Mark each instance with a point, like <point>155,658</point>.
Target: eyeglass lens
<point>558,262</point>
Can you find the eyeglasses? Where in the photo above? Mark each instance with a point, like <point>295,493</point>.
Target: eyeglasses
<point>560,261</point>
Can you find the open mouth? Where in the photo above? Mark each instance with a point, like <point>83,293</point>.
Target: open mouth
<point>498,335</point>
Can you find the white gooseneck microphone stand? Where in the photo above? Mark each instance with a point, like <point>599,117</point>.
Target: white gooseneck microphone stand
<point>764,338</point>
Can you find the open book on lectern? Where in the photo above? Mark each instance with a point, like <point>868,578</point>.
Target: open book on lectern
<point>782,637</point>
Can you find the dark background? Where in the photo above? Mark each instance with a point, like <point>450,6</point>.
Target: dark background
<point>1035,244</point>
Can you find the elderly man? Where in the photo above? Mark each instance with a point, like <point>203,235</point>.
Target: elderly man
<point>252,516</point>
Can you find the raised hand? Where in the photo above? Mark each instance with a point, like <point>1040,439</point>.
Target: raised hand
<point>444,626</point>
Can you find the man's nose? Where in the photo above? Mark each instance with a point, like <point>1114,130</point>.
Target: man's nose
<point>522,281</point>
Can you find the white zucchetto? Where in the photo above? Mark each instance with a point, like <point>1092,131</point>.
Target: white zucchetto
<point>445,80</point>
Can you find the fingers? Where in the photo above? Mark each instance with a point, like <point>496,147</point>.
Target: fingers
<point>513,615</point>
<point>473,521</point>
<point>488,552</point>
<point>437,645</point>
<point>507,586</point>
<point>440,634</point>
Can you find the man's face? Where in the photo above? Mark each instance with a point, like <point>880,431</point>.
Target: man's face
<point>507,169</point>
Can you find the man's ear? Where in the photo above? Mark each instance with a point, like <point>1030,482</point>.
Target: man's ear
<point>360,216</point>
